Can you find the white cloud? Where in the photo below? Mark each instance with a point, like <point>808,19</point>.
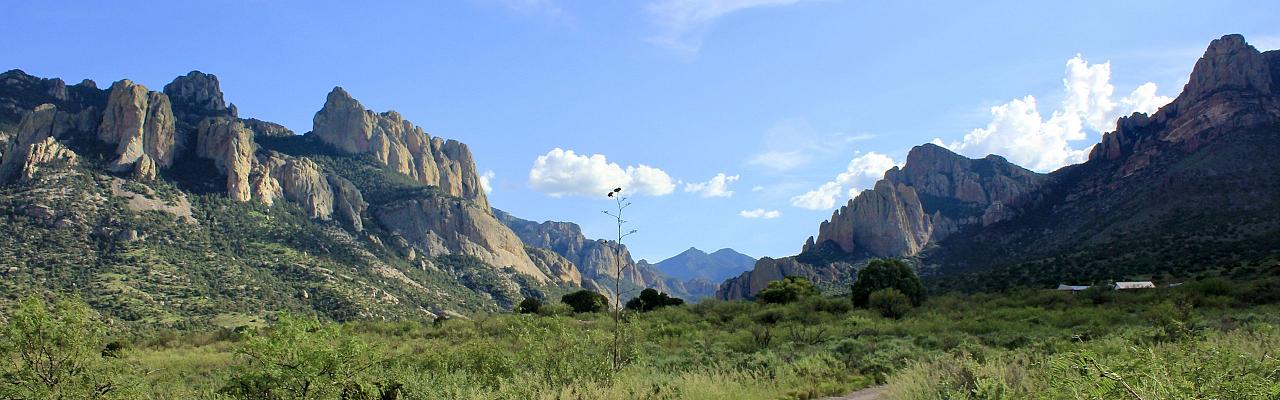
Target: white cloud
<point>757,188</point>
<point>486,181</point>
<point>718,186</point>
<point>760,213</point>
<point>1019,132</point>
<point>563,172</point>
<point>861,173</point>
<point>682,23</point>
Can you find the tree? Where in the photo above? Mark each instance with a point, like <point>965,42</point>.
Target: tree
<point>884,274</point>
<point>890,302</point>
<point>585,301</point>
<point>650,299</point>
<point>57,353</point>
<point>302,358</point>
<point>786,290</point>
<point>530,306</point>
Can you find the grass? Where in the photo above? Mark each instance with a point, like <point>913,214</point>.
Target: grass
<point>1208,339</point>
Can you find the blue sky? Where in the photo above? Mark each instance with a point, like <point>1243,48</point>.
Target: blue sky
<point>797,103</point>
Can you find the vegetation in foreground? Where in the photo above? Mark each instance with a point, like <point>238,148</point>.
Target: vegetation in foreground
<point>1207,339</point>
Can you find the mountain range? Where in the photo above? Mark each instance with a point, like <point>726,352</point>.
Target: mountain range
<point>1190,189</point>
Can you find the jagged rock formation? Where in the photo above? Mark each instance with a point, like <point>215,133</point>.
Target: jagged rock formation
<point>35,145</point>
<point>440,225</point>
<point>230,145</point>
<point>1194,183</point>
<point>141,124</point>
<point>936,193</point>
<point>346,125</point>
<point>262,128</point>
<point>197,95</point>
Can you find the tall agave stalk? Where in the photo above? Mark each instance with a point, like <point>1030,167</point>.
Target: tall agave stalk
<point>621,205</point>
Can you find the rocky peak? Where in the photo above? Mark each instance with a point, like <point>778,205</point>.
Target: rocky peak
<point>1229,63</point>
<point>197,93</point>
<point>400,145</point>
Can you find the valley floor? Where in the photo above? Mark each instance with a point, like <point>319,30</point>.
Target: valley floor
<point>1207,339</point>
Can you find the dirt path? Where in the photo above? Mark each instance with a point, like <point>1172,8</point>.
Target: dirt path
<point>871,393</point>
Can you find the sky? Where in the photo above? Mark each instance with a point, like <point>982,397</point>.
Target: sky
<point>729,123</point>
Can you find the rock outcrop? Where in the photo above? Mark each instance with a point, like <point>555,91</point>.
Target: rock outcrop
<point>347,126</point>
<point>35,144</point>
<point>556,265</point>
<point>936,193</point>
<point>440,225</point>
<point>141,125</point>
<point>230,146</point>
<point>348,202</point>
<point>197,95</point>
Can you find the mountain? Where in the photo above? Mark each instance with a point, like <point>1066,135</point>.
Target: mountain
<point>716,267</point>
<point>168,208</point>
<point>1191,189</point>
<point>597,259</point>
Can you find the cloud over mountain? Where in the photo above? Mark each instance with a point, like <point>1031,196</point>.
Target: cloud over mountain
<point>861,172</point>
<point>562,172</point>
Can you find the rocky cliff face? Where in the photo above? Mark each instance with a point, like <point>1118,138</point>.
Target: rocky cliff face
<point>141,124</point>
<point>35,144</point>
<point>766,270</point>
<point>440,225</point>
<point>936,193</point>
<point>346,125</point>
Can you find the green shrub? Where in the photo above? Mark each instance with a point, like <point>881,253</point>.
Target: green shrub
<point>887,273</point>
<point>889,302</point>
<point>530,306</point>
<point>56,352</point>
<point>585,301</point>
<point>786,290</point>
<point>650,299</point>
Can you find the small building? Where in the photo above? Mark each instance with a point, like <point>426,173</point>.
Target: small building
<point>1072,288</point>
<point>1135,285</point>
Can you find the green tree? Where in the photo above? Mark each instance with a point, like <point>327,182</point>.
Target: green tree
<point>57,353</point>
<point>786,290</point>
<point>890,302</point>
<point>650,299</point>
<point>585,301</point>
<point>884,274</point>
<point>530,306</point>
<point>302,358</point>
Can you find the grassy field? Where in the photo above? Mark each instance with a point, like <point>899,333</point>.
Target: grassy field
<point>1207,339</point>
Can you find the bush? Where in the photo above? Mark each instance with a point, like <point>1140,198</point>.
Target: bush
<point>884,274</point>
<point>787,290</point>
<point>650,299</point>
<point>57,352</point>
<point>585,301</point>
<point>530,306</point>
<point>890,302</point>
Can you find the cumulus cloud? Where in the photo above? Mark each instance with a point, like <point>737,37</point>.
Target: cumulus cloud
<point>682,23</point>
<point>717,186</point>
<point>760,213</point>
<point>861,173</point>
<point>563,172</point>
<point>486,181</point>
<point>1020,133</point>
<point>757,188</point>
